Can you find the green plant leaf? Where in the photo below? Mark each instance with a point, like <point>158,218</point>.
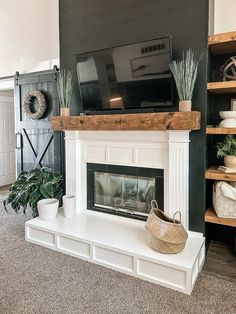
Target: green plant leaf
<point>185,73</point>
<point>32,186</point>
<point>228,147</point>
<point>48,188</point>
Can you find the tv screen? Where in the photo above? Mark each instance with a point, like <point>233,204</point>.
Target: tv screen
<point>134,76</point>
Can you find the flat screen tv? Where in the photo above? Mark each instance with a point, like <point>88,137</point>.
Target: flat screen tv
<point>130,77</point>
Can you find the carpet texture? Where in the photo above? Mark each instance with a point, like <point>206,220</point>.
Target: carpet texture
<point>37,280</point>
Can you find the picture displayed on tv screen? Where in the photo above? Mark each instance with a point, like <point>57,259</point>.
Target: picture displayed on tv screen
<point>126,77</point>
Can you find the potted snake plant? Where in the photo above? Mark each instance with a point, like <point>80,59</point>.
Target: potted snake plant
<point>64,89</point>
<point>185,74</point>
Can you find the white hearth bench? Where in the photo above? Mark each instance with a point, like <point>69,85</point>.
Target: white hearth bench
<point>119,242</point>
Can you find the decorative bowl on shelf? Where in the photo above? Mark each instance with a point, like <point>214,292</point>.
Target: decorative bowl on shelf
<point>228,115</point>
<point>229,119</point>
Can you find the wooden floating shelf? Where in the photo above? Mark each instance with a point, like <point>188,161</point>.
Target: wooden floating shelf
<point>210,216</point>
<point>222,43</point>
<point>214,174</point>
<point>219,130</point>
<point>142,121</point>
<point>226,87</point>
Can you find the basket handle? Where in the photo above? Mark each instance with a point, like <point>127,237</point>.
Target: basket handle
<point>154,204</point>
<point>180,216</point>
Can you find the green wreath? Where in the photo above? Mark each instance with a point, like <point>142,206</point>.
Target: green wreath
<point>28,101</point>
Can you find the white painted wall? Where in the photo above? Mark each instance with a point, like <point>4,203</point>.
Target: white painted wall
<point>29,35</point>
<point>224,15</point>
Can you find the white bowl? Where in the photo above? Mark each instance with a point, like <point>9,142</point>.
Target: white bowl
<point>228,114</point>
<point>48,208</point>
<point>228,123</point>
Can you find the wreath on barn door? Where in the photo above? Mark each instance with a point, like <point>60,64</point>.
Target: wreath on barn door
<point>28,102</point>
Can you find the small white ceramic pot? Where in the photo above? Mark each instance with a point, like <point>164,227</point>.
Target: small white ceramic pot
<point>64,111</point>
<point>185,105</point>
<point>48,208</point>
<point>230,161</point>
<point>68,205</point>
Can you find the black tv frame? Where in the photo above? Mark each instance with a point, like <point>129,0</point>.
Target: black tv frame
<point>128,110</point>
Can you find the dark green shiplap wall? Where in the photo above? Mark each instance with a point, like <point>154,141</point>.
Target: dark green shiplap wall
<point>94,24</point>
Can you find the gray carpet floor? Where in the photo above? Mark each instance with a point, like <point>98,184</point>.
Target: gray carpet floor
<point>37,280</point>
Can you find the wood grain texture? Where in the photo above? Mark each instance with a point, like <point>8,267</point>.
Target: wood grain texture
<point>219,130</point>
<point>214,174</point>
<point>211,217</point>
<point>144,121</point>
<point>222,43</point>
<point>222,87</point>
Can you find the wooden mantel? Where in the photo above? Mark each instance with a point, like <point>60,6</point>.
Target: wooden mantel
<point>142,121</point>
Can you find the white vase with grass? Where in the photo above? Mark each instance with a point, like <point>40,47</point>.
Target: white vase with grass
<point>64,88</point>
<point>185,74</point>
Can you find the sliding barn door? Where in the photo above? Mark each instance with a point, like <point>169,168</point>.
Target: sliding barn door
<point>37,144</point>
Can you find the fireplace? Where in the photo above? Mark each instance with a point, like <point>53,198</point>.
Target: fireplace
<point>166,152</point>
<point>111,240</point>
<point>122,190</point>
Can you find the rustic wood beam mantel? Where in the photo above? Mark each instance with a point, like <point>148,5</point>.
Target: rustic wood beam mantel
<point>142,121</point>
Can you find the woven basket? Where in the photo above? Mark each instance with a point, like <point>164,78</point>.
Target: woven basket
<point>164,234</point>
<point>224,199</point>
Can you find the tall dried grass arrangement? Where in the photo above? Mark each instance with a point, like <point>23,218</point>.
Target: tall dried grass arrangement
<point>64,87</point>
<point>185,73</point>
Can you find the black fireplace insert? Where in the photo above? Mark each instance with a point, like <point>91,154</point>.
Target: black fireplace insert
<point>123,190</point>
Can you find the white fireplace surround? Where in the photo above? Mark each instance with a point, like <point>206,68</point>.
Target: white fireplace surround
<point>119,242</point>
<point>167,150</point>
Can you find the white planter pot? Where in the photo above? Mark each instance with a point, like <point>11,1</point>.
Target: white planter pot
<point>185,105</point>
<point>48,208</point>
<point>68,205</point>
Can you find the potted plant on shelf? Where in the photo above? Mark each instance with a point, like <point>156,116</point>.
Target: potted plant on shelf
<point>64,88</point>
<point>39,185</point>
<point>227,149</point>
<point>185,73</point>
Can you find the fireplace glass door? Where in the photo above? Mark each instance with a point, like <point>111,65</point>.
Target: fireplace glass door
<point>123,192</point>
<point>126,191</point>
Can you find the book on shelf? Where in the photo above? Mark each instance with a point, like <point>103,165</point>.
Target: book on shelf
<point>227,169</point>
